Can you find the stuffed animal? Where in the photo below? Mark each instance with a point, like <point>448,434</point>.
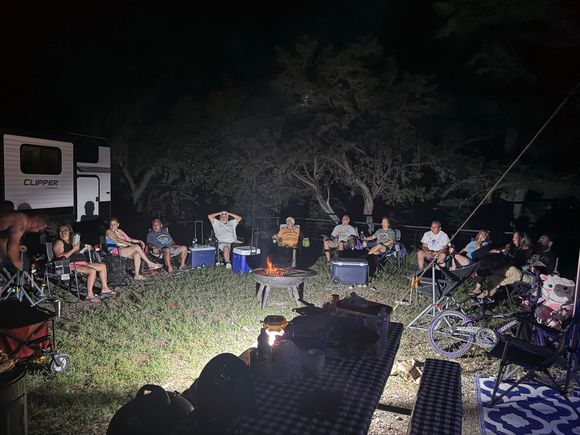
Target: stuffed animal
<point>557,301</point>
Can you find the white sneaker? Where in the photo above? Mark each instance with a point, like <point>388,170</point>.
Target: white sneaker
<point>228,265</point>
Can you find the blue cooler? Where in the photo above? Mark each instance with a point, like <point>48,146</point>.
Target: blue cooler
<point>202,256</point>
<point>351,271</point>
<point>240,259</point>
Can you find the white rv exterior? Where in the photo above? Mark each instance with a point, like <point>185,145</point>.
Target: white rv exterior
<point>69,177</point>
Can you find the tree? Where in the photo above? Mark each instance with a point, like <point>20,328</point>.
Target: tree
<point>352,118</point>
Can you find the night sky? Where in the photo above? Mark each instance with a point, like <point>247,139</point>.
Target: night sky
<point>65,64</point>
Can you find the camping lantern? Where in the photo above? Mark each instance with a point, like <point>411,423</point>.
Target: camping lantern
<point>274,326</point>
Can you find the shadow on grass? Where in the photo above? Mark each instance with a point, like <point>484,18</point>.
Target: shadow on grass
<point>73,413</point>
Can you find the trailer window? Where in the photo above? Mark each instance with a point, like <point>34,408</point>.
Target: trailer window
<point>36,159</point>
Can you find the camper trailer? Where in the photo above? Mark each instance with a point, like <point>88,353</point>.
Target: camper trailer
<point>67,177</point>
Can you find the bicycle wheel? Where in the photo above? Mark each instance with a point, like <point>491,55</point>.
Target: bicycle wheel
<point>444,336</point>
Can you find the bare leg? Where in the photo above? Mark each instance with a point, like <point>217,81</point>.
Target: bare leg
<point>182,256</point>
<point>377,249</point>
<point>167,259</point>
<point>441,259</point>
<point>137,266</point>
<point>226,254</point>
<point>101,268</point>
<point>462,260</point>
<point>91,277</point>
<point>421,255</point>
<point>327,249</point>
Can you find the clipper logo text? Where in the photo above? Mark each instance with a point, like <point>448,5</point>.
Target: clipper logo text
<point>29,182</point>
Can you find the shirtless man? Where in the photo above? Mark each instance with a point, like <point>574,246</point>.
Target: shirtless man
<point>13,225</point>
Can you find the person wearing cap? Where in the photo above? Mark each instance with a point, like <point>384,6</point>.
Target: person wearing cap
<point>224,229</point>
<point>289,234</point>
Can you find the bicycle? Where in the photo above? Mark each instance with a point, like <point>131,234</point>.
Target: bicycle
<point>454,333</point>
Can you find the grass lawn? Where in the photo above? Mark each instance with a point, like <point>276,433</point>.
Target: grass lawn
<point>164,333</point>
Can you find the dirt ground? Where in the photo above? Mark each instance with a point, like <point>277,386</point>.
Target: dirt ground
<point>402,393</point>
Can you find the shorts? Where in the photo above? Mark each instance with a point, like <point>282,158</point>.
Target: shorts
<point>222,245</point>
<point>334,243</point>
<point>175,250</point>
<point>77,263</point>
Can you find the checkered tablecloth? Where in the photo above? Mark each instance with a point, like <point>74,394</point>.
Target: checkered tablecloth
<point>438,409</point>
<point>359,384</point>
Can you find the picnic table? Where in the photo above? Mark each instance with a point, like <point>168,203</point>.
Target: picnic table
<point>342,400</point>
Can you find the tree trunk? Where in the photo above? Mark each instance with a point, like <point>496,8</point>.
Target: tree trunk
<point>368,207</point>
<point>316,188</point>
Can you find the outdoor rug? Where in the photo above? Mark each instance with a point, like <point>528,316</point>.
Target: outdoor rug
<point>528,409</point>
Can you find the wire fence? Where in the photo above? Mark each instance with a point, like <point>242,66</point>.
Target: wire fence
<point>317,228</point>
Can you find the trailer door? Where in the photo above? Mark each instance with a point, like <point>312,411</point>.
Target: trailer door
<point>87,198</point>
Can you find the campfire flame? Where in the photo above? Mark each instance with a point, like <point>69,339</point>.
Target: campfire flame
<point>272,270</point>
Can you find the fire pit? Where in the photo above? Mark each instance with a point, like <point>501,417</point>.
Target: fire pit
<point>272,276</point>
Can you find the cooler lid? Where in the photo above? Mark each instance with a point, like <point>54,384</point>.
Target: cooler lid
<point>202,248</point>
<point>246,250</point>
<point>349,262</point>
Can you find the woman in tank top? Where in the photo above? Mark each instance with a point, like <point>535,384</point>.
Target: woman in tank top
<point>64,249</point>
<point>126,247</point>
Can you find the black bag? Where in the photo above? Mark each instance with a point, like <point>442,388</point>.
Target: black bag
<point>117,276</point>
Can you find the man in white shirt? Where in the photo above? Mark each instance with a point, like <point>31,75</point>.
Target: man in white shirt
<point>225,232</point>
<point>339,236</point>
<point>434,244</point>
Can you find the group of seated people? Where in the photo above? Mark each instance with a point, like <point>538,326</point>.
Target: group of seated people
<point>345,236</point>
<point>499,266</point>
<point>504,266</point>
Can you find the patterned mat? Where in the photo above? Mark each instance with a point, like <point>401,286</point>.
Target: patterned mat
<point>528,409</point>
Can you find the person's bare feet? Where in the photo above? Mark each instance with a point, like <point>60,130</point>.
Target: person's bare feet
<point>139,278</point>
<point>154,266</point>
<point>182,267</point>
<point>477,289</point>
<point>170,269</point>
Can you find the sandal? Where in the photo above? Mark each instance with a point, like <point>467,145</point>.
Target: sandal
<point>155,266</point>
<point>93,300</point>
<point>139,278</point>
<point>108,294</point>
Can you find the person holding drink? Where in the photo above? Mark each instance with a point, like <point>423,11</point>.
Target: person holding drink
<point>68,247</point>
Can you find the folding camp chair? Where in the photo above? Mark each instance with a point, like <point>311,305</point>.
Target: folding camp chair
<point>59,273</point>
<point>391,258</point>
<point>20,284</point>
<point>294,248</point>
<point>539,362</point>
<point>439,286</point>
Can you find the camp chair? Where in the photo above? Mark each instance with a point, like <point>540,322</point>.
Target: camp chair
<point>293,248</point>
<point>59,273</point>
<point>537,360</point>
<point>20,284</point>
<point>119,268</point>
<point>219,255</point>
<point>439,285</point>
<point>391,258</point>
